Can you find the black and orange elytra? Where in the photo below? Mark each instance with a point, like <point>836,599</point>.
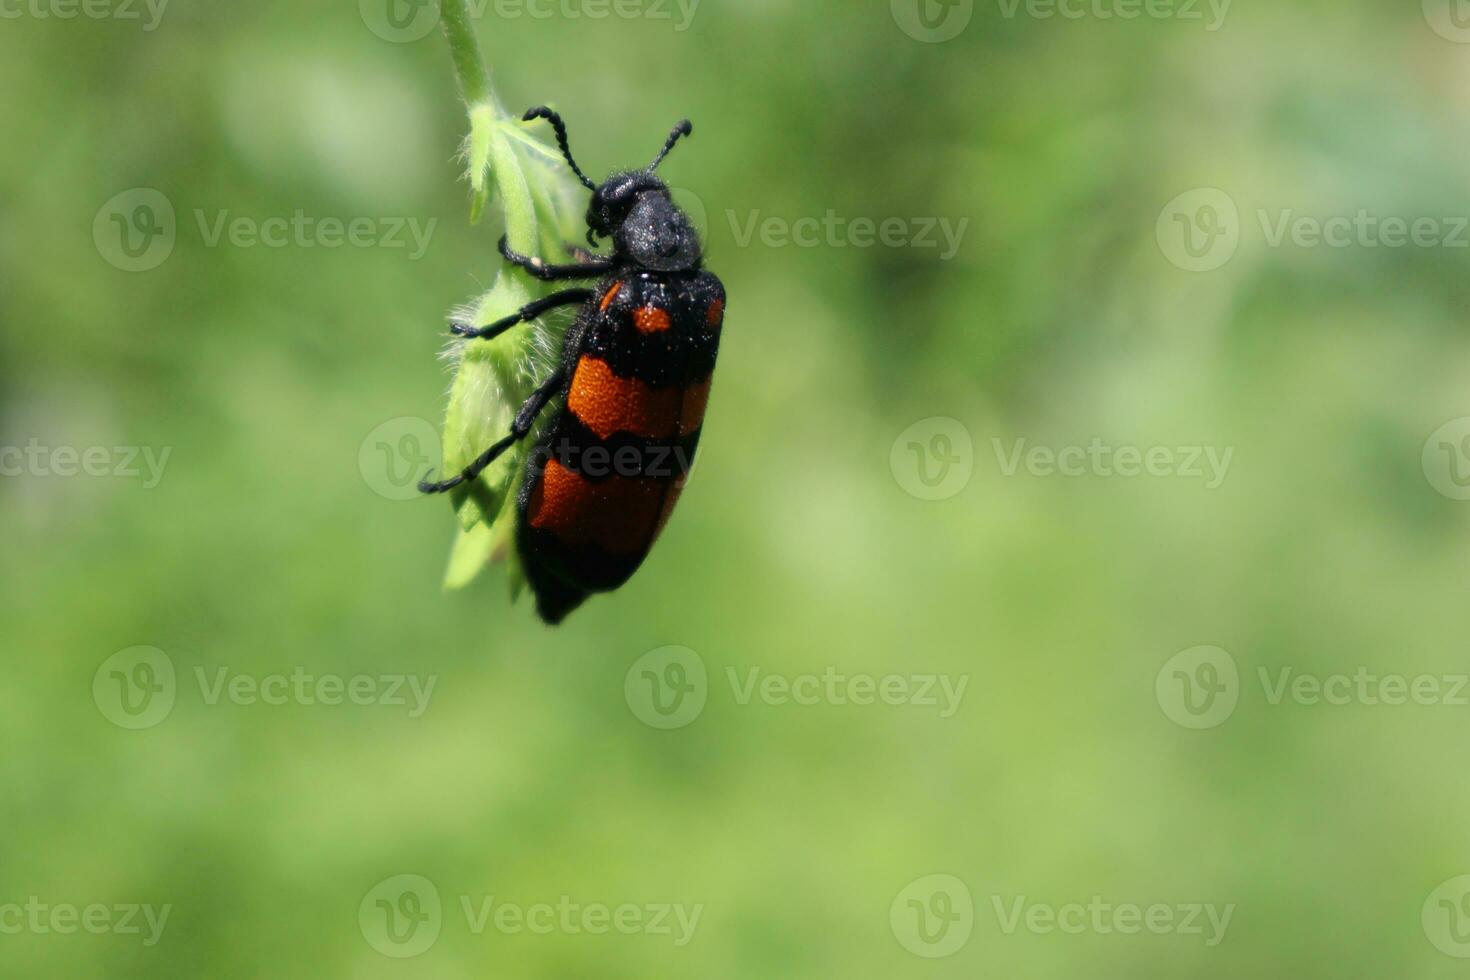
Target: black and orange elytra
<point>629,391</point>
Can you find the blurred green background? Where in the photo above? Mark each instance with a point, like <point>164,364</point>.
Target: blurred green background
<point>1071,311</point>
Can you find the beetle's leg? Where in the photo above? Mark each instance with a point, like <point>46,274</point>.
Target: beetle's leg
<point>528,312</point>
<point>588,268</point>
<point>519,429</point>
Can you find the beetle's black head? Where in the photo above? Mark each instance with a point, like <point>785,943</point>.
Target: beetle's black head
<point>636,211</point>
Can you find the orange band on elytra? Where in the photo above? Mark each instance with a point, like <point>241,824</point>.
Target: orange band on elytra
<point>619,515</point>
<point>606,403</point>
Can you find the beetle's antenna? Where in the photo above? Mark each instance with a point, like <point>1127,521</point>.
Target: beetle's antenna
<point>541,112</point>
<point>683,129</point>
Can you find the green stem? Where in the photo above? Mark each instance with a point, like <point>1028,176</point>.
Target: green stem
<point>488,148</point>
<point>494,376</point>
<point>469,66</point>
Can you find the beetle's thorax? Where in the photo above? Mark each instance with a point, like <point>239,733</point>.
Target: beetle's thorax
<point>647,228</point>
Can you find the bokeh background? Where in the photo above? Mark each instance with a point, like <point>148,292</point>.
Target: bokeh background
<point>1080,761</point>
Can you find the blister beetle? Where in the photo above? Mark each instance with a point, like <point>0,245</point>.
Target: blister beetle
<point>630,388</point>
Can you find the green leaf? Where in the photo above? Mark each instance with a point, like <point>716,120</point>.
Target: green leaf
<point>468,556</point>
<point>493,378</point>
<point>477,149</point>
